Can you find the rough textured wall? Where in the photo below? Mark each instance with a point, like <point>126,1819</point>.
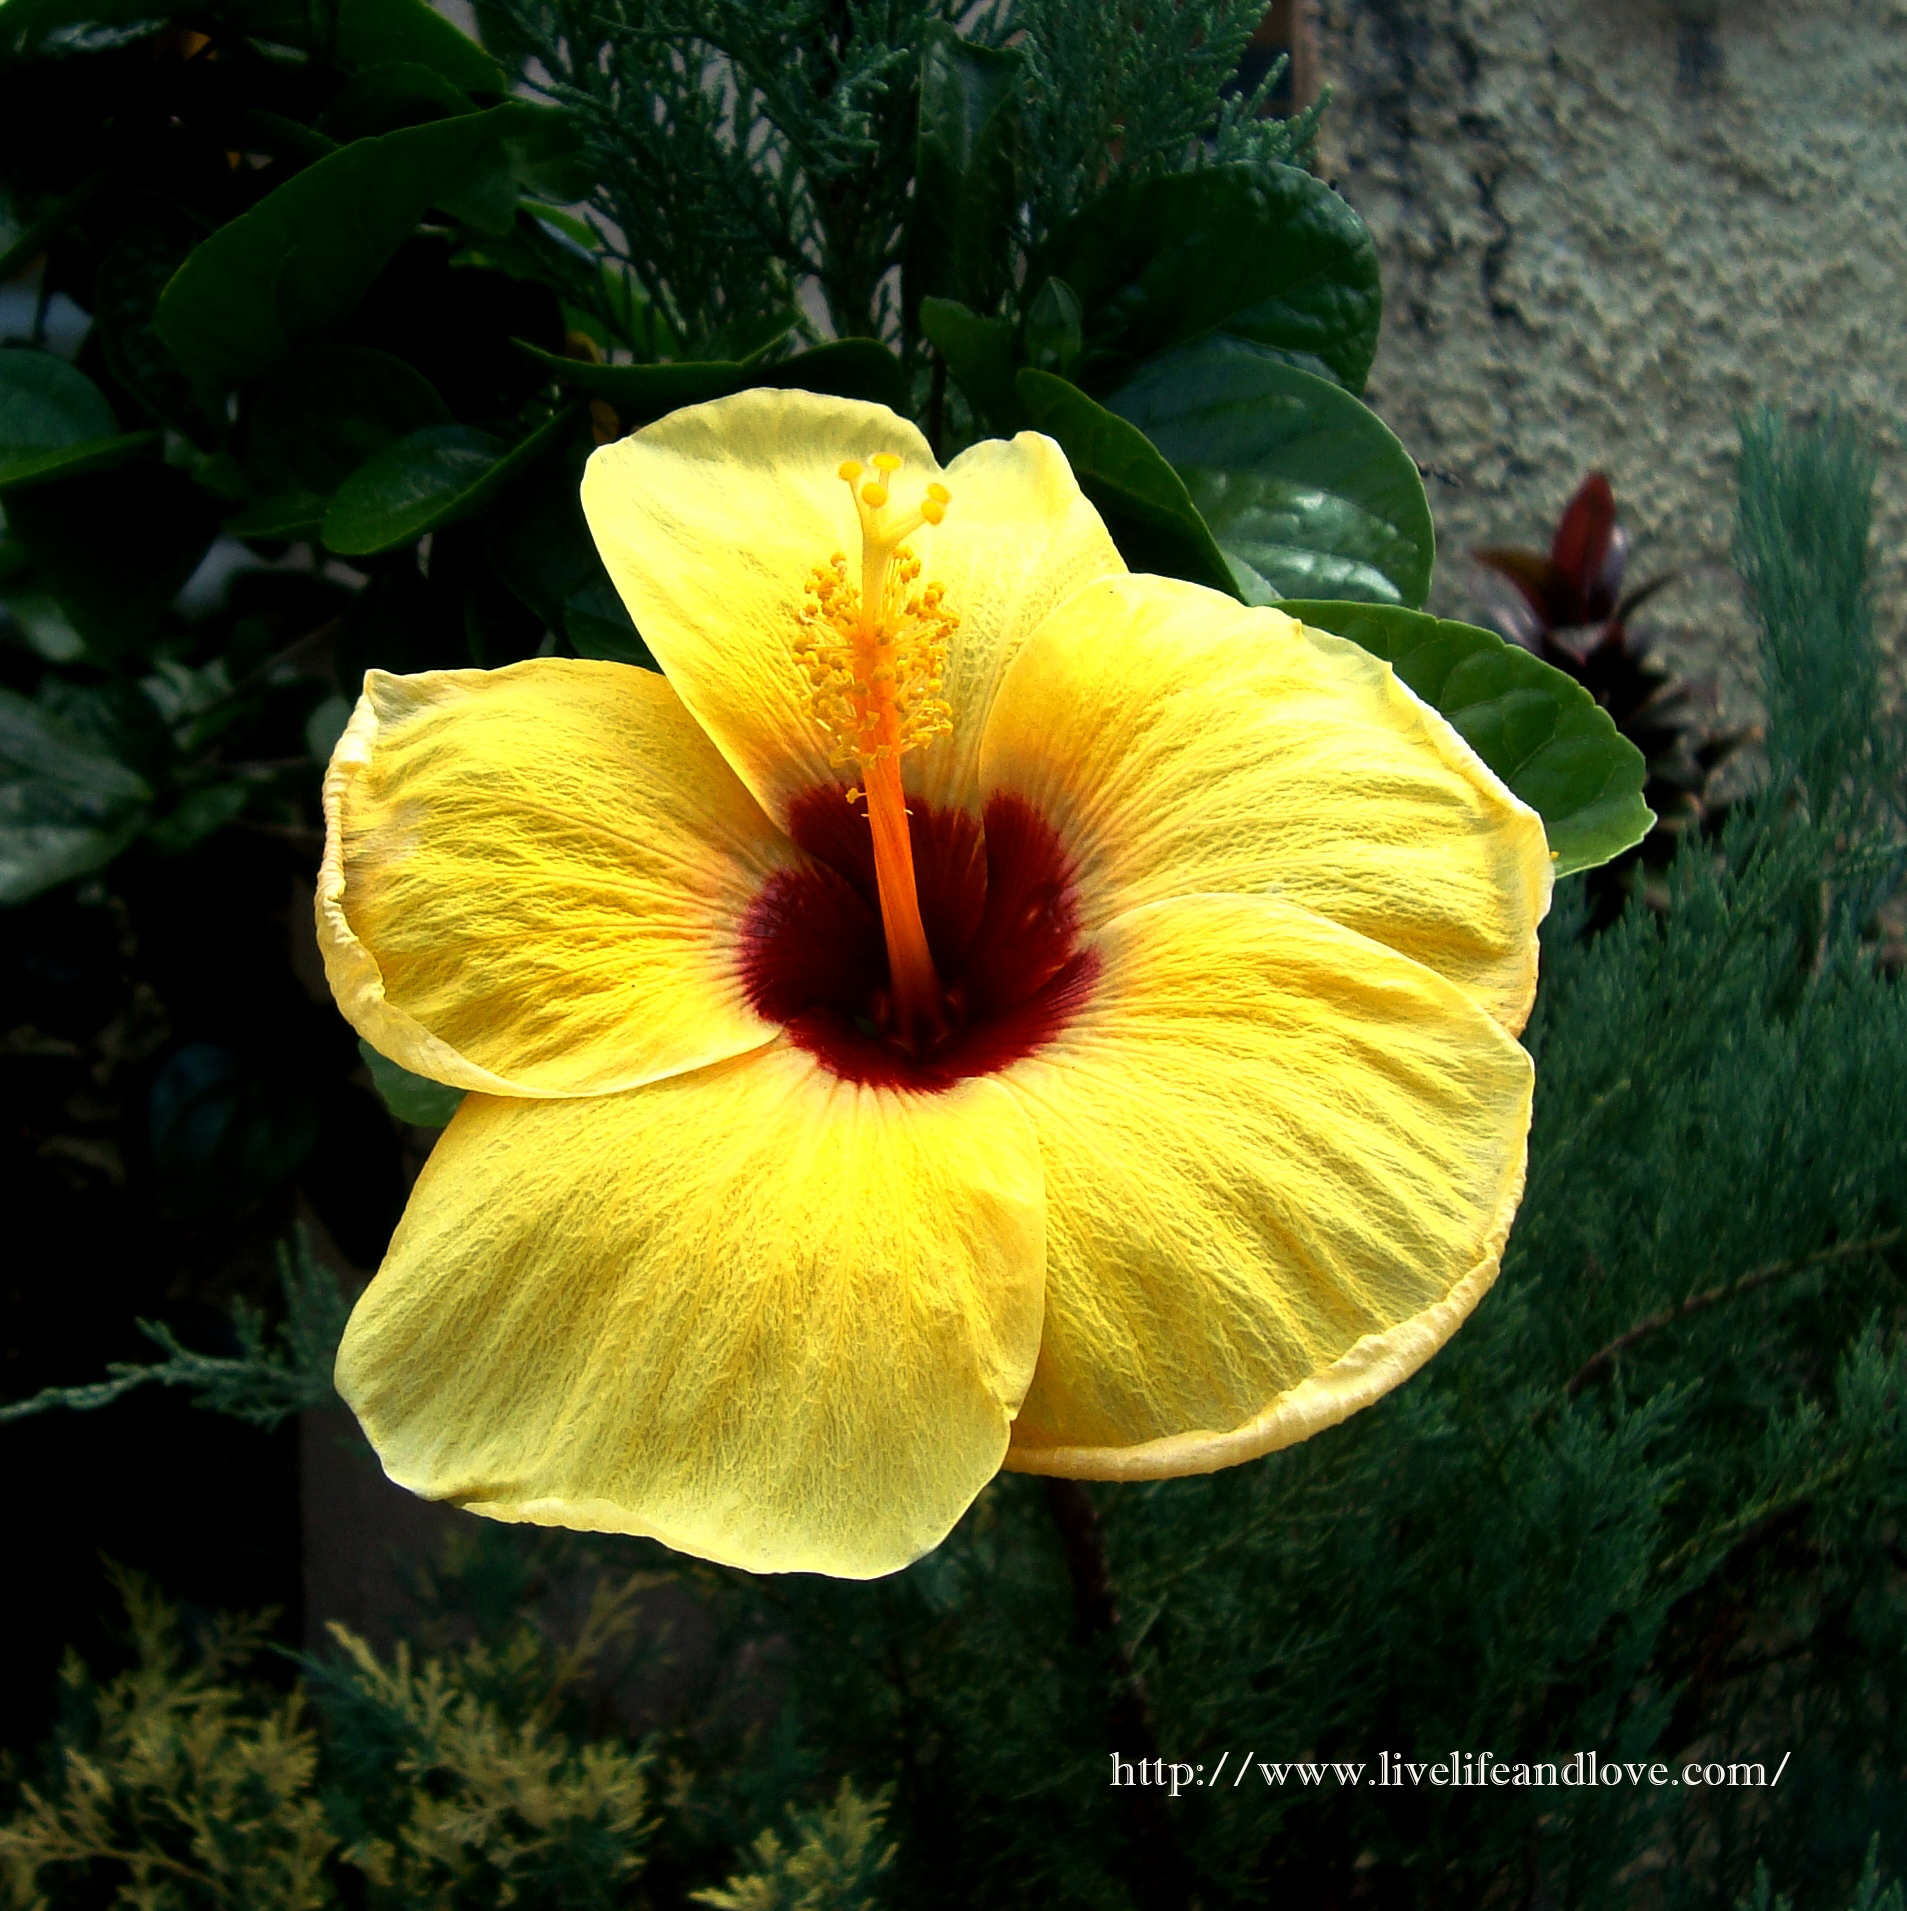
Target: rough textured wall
<point>1607,226</point>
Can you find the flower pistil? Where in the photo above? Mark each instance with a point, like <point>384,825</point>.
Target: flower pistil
<point>874,653</point>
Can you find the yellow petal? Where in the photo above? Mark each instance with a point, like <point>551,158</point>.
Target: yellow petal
<point>1281,1163</point>
<point>761,1314</point>
<point>533,879</point>
<point>1180,742</point>
<point>1019,539</point>
<point>712,520</point>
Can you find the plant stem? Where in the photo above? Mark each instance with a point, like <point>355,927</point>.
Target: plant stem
<point>1159,1870</point>
<point>1599,1362</point>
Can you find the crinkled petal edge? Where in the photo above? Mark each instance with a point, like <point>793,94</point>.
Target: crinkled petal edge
<point>611,1516</point>
<point>356,981</point>
<point>1356,1379</point>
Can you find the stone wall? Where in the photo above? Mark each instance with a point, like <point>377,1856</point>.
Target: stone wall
<point>1608,226</point>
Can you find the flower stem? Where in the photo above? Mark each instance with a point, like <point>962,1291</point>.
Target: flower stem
<point>1159,1875</point>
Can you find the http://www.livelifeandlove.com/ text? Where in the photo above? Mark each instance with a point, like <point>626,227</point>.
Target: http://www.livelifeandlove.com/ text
<point>1457,1768</point>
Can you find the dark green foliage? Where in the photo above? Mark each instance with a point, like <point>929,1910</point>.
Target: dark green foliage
<point>1307,492</point>
<point>738,147</point>
<point>1806,514</point>
<point>1263,254</point>
<point>1129,480</point>
<point>189,1783</point>
<point>265,1382</point>
<point>1153,71</point>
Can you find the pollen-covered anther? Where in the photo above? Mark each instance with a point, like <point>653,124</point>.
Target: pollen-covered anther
<point>875,655</point>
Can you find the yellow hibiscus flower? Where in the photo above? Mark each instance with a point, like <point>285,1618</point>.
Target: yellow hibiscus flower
<point>976,1007</point>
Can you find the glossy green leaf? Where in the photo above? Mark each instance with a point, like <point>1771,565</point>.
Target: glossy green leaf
<point>411,1098</point>
<point>287,517</point>
<point>1306,490</point>
<point>126,291</point>
<point>1144,501</point>
<point>539,545</point>
<point>25,244</point>
<point>1269,254</point>
<point>66,808</point>
<point>980,355</point>
<point>49,633</point>
<point>27,26</point>
<point>356,33</point>
<point>1053,338</point>
<point>385,98</point>
<point>55,422</point>
<point>1539,730</point>
<point>427,480</point>
<point>222,1130</point>
<point>374,33</point>
<point>324,413</point>
<point>299,261</point>
<point>845,367</point>
<point>965,191</point>
<point>195,816</point>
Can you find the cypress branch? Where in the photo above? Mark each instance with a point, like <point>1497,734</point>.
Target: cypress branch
<point>1604,1358</point>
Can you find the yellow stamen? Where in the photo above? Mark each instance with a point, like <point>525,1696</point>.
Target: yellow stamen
<point>874,657</point>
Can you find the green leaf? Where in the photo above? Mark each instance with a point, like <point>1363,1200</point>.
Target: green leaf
<point>323,414</point>
<point>1306,490</point>
<point>427,480</point>
<point>66,809</point>
<point>47,630</point>
<point>55,422</point>
<point>222,1132</point>
<point>356,33</point>
<point>1269,254</point>
<point>1539,730</point>
<point>1143,500</point>
<point>115,547</point>
<point>265,1383</point>
<point>299,261</point>
<point>845,367</point>
<point>373,33</point>
<point>290,517</point>
<point>965,192</point>
<point>539,544</point>
<point>23,246</point>
<point>384,98</point>
<point>1054,339</point>
<point>127,288</point>
<point>26,26</point>
<point>412,1098</point>
<point>979,353</point>
<point>196,815</point>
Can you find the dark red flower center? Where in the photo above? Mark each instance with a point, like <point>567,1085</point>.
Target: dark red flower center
<point>997,902</point>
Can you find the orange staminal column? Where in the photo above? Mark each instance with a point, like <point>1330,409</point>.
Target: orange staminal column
<point>910,963</point>
<point>874,657</point>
